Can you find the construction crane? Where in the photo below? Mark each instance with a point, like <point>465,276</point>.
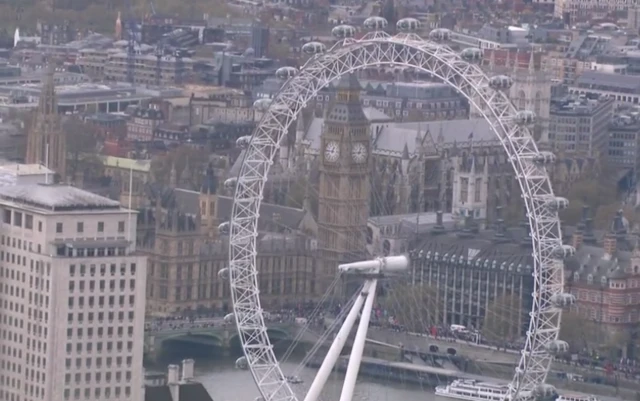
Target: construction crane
<point>178,54</point>
<point>131,43</point>
<point>159,55</point>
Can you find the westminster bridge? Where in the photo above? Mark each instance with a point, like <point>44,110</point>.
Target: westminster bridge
<point>224,337</point>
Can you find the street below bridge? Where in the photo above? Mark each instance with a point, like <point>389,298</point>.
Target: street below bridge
<point>472,351</point>
<point>379,336</point>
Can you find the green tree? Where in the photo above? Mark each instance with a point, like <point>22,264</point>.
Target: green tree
<point>502,319</point>
<point>594,193</point>
<point>582,334</point>
<point>415,306</point>
<point>300,188</point>
<point>190,164</point>
<point>82,149</point>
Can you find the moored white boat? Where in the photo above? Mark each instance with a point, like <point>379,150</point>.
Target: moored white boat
<point>475,390</point>
<point>294,380</point>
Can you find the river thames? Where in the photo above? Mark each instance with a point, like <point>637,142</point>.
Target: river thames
<point>226,383</point>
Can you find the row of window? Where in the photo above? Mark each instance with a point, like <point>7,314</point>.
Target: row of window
<point>109,362</point>
<point>108,346</point>
<point>70,251</point>
<point>102,269</point>
<point>110,316</point>
<point>91,317</point>
<point>102,285</point>
<point>98,393</point>
<point>16,219</point>
<point>91,302</point>
<point>97,377</point>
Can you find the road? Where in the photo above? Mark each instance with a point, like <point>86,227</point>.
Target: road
<point>478,353</point>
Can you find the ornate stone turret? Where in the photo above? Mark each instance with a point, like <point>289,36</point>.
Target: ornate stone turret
<point>173,176</point>
<point>208,202</point>
<point>499,235</point>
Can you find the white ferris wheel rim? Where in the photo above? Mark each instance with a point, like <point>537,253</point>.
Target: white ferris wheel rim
<point>404,50</point>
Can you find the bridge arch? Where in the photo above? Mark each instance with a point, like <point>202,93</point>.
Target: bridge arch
<point>276,335</point>
<point>195,337</point>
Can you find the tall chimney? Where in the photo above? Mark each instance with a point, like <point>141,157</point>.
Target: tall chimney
<point>173,383</point>
<point>499,234</point>
<point>578,238</point>
<point>439,227</point>
<point>187,369</point>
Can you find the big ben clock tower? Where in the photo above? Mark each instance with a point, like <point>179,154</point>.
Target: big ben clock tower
<point>343,199</point>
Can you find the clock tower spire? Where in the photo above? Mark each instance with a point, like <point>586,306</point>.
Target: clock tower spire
<point>344,179</point>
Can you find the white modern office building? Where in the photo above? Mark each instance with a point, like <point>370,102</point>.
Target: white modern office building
<point>72,297</point>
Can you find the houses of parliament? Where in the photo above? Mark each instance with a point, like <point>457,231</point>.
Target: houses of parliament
<point>368,178</point>
<point>298,254</point>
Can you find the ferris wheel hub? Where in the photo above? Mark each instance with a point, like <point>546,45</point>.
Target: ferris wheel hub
<point>376,267</point>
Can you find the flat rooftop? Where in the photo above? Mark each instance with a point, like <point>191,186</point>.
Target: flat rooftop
<point>9,173</point>
<point>71,93</point>
<point>55,198</point>
<point>597,79</point>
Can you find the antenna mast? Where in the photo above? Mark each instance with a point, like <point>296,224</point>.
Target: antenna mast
<point>46,163</point>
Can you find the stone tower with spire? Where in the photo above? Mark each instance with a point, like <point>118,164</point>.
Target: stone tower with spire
<point>344,187</point>
<point>46,142</point>
<point>531,88</point>
<point>209,203</point>
<point>470,179</point>
<point>404,191</point>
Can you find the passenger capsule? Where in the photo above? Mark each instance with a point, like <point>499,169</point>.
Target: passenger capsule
<point>472,54</point>
<point>243,142</point>
<point>287,72</point>
<point>230,183</point>
<point>313,48</point>
<point>262,104</point>
<point>564,251</point>
<point>223,228</point>
<point>343,31</point>
<point>555,203</point>
<point>408,25</point>
<point>375,23</point>
<point>440,34</point>
<point>229,318</point>
<point>525,117</point>
<point>223,274</point>
<point>241,363</point>
<point>500,82</point>
<point>545,392</point>
<point>562,300</point>
<point>544,157</point>
<point>557,347</point>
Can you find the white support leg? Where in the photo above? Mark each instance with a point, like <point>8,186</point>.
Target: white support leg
<point>338,344</point>
<point>358,345</point>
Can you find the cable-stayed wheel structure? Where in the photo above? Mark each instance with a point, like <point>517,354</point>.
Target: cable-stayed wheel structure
<point>486,94</point>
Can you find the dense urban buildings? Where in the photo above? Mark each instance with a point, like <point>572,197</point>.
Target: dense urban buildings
<point>469,269</point>
<point>579,125</point>
<point>155,115</point>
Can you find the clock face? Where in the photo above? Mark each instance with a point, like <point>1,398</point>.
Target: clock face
<point>359,153</point>
<point>332,151</point>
